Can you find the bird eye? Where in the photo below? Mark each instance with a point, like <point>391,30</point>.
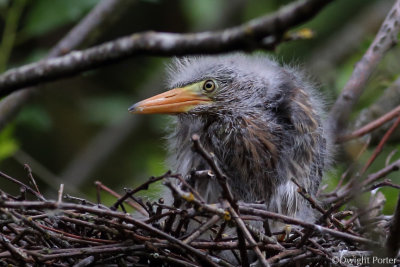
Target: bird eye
<point>209,86</point>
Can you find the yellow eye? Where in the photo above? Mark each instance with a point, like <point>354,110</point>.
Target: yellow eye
<point>209,86</point>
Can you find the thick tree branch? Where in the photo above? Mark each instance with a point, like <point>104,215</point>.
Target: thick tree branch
<point>248,36</point>
<point>384,40</point>
<point>99,18</point>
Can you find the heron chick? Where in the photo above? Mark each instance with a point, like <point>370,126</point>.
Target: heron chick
<point>263,122</point>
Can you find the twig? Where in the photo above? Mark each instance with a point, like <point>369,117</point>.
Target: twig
<point>221,177</point>
<point>202,229</point>
<point>285,254</point>
<point>134,205</point>
<point>30,190</point>
<point>189,197</point>
<point>371,126</point>
<point>244,258</point>
<point>144,186</point>
<point>191,189</point>
<point>386,182</point>
<point>351,186</point>
<point>350,192</point>
<point>241,225</point>
<point>303,192</point>
<point>16,252</point>
<point>290,220</point>
<point>30,176</point>
<point>390,156</point>
<point>348,170</point>
<point>60,193</point>
<point>85,262</point>
<point>395,166</point>
<point>379,147</point>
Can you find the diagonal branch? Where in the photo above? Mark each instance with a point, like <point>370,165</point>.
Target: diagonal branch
<point>248,36</point>
<point>384,40</point>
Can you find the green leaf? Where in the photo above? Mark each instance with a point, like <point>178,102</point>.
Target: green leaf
<point>47,15</point>
<point>8,145</point>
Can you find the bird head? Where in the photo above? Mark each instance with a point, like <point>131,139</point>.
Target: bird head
<point>217,85</point>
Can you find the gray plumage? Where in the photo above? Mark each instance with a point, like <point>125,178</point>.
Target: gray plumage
<point>264,126</point>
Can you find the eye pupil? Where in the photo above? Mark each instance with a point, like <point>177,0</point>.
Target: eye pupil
<point>209,85</point>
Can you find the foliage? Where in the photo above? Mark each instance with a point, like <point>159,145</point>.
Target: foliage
<point>8,143</point>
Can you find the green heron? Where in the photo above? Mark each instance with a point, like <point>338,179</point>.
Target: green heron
<point>262,121</point>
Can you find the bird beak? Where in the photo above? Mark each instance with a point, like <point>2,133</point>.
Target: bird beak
<point>174,101</point>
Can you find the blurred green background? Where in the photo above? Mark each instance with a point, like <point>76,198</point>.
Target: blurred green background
<point>78,130</point>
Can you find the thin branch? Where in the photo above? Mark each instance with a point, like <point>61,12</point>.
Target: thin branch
<point>386,182</point>
<point>290,220</point>
<point>210,223</point>
<point>212,161</point>
<point>349,192</point>
<point>129,193</point>
<point>248,36</point>
<point>371,126</point>
<point>60,193</point>
<point>134,205</point>
<point>395,166</point>
<point>16,252</point>
<point>31,178</point>
<point>284,254</point>
<point>15,181</point>
<point>42,173</point>
<point>241,225</point>
<point>380,146</point>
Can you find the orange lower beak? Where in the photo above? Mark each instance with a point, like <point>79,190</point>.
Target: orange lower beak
<point>174,101</point>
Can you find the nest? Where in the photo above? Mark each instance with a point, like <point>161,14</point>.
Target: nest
<point>71,231</point>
